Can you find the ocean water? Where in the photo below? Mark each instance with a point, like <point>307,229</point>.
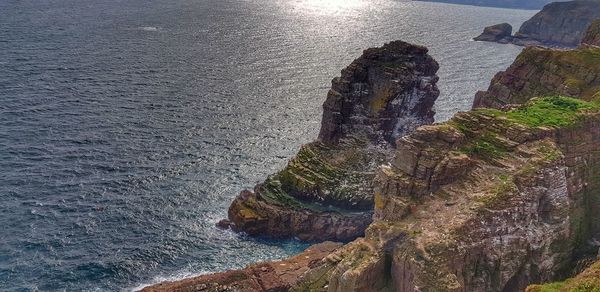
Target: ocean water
<point>127,126</point>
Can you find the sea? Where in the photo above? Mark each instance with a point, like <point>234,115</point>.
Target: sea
<point>128,126</point>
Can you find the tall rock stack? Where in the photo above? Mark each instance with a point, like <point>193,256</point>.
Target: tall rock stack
<point>326,191</point>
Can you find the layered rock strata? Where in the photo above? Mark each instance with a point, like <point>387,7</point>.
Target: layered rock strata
<point>489,201</point>
<point>325,192</point>
<point>540,72</point>
<point>269,276</point>
<point>592,36</point>
<point>558,24</point>
<point>500,33</point>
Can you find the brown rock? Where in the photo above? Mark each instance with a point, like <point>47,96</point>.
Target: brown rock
<point>501,33</point>
<point>277,276</point>
<point>592,36</point>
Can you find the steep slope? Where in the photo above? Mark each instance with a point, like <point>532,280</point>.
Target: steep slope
<point>325,192</point>
<point>489,201</point>
<point>539,72</point>
<point>519,4</point>
<point>587,281</point>
<point>592,36</point>
<point>559,23</point>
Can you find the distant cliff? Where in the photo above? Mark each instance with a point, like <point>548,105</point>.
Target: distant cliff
<point>519,4</point>
<point>494,199</point>
<point>540,72</point>
<point>559,24</point>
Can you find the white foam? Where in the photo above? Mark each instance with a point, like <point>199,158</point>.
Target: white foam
<point>158,279</point>
<point>148,28</point>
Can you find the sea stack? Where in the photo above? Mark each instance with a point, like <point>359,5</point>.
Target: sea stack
<point>326,190</point>
<point>500,33</point>
<point>558,24</point>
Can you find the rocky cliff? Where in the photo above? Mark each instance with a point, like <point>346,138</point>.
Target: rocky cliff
<point>539,72</point>
<point>490,201</point>
<point>558,24</point>
<point>592,36</point>
<point>326,191</point>
<point>493,200</point>
<point>588,280</point>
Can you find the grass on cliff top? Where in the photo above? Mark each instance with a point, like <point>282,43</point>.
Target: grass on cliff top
<point>557,111</point>
<point>587,281</point>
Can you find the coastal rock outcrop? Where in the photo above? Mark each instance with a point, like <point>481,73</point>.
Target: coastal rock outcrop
<point>541,72</point>
<point>592,36</point>
<point>489,201</point>
<point>501,33</point>
<point>588,280</point>
<point>558,24</point>
<point>269,276</point>
<point>326,191</point>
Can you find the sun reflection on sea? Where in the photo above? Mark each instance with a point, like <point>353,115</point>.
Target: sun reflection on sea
<point>330,6</point>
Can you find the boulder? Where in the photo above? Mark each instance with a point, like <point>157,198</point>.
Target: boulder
<point>501,33</point>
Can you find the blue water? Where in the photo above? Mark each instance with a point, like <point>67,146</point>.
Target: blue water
<point>127,127</point>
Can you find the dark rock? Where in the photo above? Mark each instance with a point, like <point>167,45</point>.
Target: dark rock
<point>592,36</point>
<point>224,224</point>
<point>501,33</point>
<point>542,72</point>
<point>382,95</point>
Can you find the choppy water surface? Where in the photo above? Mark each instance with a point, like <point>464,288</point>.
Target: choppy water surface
<point>126,127</point>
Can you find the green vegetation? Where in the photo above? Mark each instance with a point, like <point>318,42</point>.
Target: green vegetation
<point>557,111</point>
<point>587,281</point>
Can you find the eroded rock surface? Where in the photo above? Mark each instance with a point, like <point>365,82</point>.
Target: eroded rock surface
<point>326,191</point>
<point>270,276</point>
<point>500,33</point>
<point>559,24</point>
<point>592,36</point>
<point>542,72</point>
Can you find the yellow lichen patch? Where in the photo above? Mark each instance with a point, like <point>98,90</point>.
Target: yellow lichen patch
<point>380,100</point>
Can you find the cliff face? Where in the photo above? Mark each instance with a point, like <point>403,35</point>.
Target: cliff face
<point>493,200</point>
<point>592,36</point>
<point>541,72</point>
<point>559,23</point>
<point>273,277</point>
<point>326,191</point>
<point>489,201</point>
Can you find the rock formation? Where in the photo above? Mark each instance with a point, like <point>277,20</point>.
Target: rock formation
<point>541,72</point>
<point>559,24</point>
<point>269,276</point>
<point>592,36</point>
<point>489,201</point>
<point>326,191</point>
<point>500,33</point>
<point>493,200</point>
<point>588,280</point>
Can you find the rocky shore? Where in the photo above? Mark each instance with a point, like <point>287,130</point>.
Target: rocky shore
<point>326,190</point>
<point>502,198</point>
<point>558,24</point>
